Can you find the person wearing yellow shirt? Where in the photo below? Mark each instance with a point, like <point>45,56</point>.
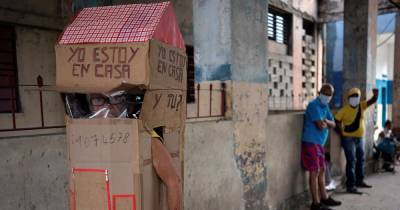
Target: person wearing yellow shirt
<point>351,127</point>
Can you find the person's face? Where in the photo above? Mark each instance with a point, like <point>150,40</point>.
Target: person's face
<point>389,125</point>
<point>115,105</point>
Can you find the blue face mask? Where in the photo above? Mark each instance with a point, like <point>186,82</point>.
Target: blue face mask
<point>324,99</point>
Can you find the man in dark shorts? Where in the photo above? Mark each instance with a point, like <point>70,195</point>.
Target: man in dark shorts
<point>317,121</point>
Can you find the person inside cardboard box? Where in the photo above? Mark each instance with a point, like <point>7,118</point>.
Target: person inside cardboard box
<point>123,105</point>
<point>112,106</point>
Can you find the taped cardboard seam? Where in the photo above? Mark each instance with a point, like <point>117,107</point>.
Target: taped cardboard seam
<point>89,170</point>
<point>108,194</point>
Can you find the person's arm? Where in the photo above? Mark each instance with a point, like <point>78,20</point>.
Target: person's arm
<point>374,98</point>
<point>330,122</point>
<point>316,116</point>
<point>321,124</point>
<point>338,121</point>
<point>338,128</point>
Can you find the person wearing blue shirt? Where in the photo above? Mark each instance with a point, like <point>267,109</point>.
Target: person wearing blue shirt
<point>317,121</point>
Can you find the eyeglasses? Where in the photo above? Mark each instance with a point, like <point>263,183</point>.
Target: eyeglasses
<point>99,100</point>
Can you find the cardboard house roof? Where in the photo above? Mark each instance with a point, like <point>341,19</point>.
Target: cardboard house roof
<point>124,24</point>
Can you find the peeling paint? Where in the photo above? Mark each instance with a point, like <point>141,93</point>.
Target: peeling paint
<point>250,161</point>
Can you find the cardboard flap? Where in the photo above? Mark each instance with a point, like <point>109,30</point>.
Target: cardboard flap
<point>101,67</point>
<point>103,140</point>
<point>91,191</point>
<point>167,67</point>
<point>164,108</point>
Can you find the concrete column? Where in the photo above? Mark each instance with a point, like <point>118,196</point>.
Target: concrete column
<point>360,54</point>
<point>396,79</point>
<point>230,45</point>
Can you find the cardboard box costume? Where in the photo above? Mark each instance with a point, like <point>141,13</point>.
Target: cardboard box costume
<point>119,48</point>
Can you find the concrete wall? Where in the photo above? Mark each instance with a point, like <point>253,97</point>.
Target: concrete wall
<point>332,10</point>
<point>33,163</point>
<point>44,8</point>
<point>297,34</point>
<point>286,178</point>
<point>213,65</point>
<point>33,171</point>
<point>212,180</point>
<point>35,56</point>
<point>298,95</point>
<point>37,28</point>
<point>307,8</point>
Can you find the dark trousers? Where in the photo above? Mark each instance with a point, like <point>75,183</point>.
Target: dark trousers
<point>389,160</point>
<point>354,152</point>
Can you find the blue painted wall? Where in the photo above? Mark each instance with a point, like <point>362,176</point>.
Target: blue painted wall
<point>334,54</point>
<point>388,84</point>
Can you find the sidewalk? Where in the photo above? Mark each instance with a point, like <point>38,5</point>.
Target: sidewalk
<point>385,194</point>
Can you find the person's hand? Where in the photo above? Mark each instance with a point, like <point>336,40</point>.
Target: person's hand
<point>375,91</point>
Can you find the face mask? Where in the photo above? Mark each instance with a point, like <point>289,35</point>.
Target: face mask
<point>354,101</point>
<point>324,99</point>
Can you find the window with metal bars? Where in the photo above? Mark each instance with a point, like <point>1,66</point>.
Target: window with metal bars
<point>190,97</point>
<point>278,25</point>
<point>9,100</point>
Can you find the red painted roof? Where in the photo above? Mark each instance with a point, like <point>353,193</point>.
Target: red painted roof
<point>123,24</point>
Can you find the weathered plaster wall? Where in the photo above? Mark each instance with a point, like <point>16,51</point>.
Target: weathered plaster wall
<point>301,8</point>
<point>248,50</point>
<point>33,171</point>
<point>212,55</point>
<point>297,34</point>
<point>249,110</point>
<point>212,179</point>
<point>236,55</point>
<point>44,8</point>
<point>286,178</point>
<point>396,78</point>
<point>35,56</point>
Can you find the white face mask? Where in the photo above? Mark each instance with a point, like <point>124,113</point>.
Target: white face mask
<point>324,99</point>
<point>354,101</point>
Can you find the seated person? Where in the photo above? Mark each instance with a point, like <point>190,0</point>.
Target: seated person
<point>386,147</point>
<point>122,105</point>
<point>389,134</point>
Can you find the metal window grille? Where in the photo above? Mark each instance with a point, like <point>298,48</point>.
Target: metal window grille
<point>190,98</point>
<point>9,99</point>
<point>278,25</point>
